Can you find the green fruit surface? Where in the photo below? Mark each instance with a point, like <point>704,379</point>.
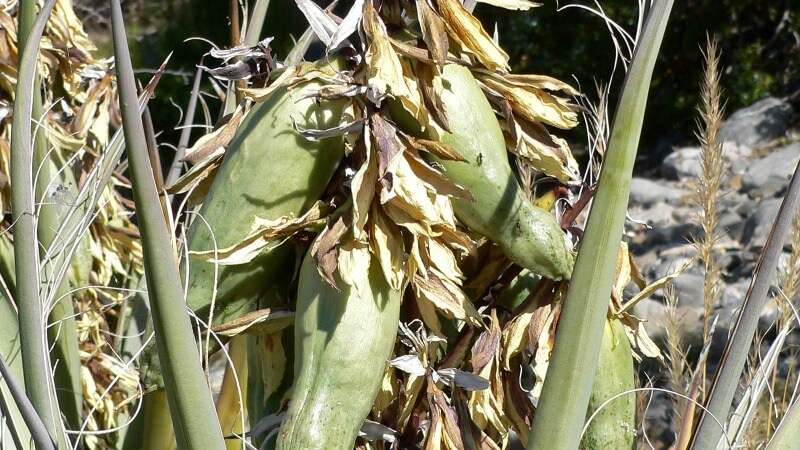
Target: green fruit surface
<point>614,427</point>
<point>342,343</point>
<point>268,171</point>
<point>528,235</point>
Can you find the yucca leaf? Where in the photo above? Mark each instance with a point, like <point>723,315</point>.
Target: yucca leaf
<point>12,424</point>
<point>191,406</point>
<point>35,356</point>
<point>32,420</point>
<point>560,414</point>
<point>787,435</point>
<point>256,23</point>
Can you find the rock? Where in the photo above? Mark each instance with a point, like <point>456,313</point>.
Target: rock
<point>677,251</point>
<point>654,216</point>
<point>677,234</point>
<point>759,123</point>
<point>653,313</point>
<point>685,214</point>
<point>759,223</point>
<point>660,420</point>
<point>730,199</point>
<point>732,224</point>
<point>681,163</point>
<point>769,176</point>
<point>746,208</point>
<point>740,264</point>
<point>684,162</point>
<point>647,192</point>
<point>689,320</point>
<point>728,306</point>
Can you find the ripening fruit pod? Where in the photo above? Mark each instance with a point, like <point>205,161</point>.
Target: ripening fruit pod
<point>528,235</point>
<point>269,171</point>
<point>343,341</point>
<point>614,426</point>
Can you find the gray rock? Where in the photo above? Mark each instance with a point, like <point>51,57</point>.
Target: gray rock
<point>660,419</point>
<point>732,299</point>
<point>686,251</point>
<point>688,289</point>
<point>732,199</point>
<point>770,176</point>
<point>681,163</point>
<point>759,223</point>
<point>732,224</point>
<point>653,313</point>
<point>685,214</point>
<point>654,216</point>
<point>728,306</point>
<point>759,123</point>
<point>677,234</point>
<point>648,192</point>
<point>685,162</point>
<point>746,208</point>
<point>671,261</point>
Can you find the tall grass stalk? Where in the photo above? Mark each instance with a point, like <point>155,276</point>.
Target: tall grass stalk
<point>676,356</point>
<point>707,190</point>
<point>565,396</point>
<point>188,394</point>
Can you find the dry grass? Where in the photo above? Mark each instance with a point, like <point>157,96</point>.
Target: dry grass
<point>707,189</point>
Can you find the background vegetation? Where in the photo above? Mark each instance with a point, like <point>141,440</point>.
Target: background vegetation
<point>759,43</point>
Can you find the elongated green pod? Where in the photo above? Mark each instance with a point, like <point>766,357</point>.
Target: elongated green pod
<point>342,343</point>
<point>528,235</point>
<point>614,426</point>
<point>269,171</point>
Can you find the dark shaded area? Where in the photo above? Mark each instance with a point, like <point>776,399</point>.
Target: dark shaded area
<point>760,43</point>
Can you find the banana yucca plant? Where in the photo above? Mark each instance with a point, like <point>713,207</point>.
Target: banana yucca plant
<point>358,237</point>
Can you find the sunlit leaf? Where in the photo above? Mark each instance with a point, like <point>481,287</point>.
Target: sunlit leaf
<point>467,30</point>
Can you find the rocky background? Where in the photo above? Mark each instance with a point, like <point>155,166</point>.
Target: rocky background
<point>761,152</point>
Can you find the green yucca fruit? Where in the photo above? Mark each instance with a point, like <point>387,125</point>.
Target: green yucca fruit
<point>614,427</point>
<point>269,171</point>
<point>528,235</point>
<point>343,340</point>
